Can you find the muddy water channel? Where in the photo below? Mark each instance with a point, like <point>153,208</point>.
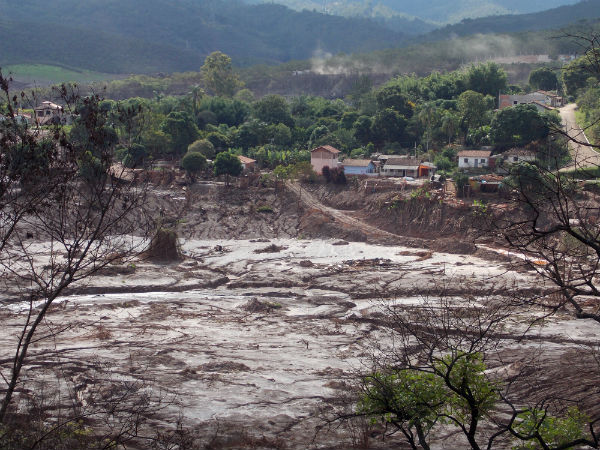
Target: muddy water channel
<point>259,335</point>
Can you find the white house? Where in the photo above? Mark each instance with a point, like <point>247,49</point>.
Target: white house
<point>517,155</point>
<point>474,158</point>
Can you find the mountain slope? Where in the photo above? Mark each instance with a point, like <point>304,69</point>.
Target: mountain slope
<point>544,20</point>
<point>174,35</point>
<point>439,11</point>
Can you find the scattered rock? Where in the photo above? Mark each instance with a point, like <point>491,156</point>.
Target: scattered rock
<point>342,242</point>
<point>306,263</point>
<point>273,248</point>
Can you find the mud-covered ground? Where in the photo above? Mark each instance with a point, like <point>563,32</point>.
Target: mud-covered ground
<point>255,337</point>
<point>260,336</point>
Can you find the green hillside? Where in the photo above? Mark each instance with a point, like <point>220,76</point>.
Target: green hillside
<point>437,11</point>
<point>145,36</point>
<point>552,18</point>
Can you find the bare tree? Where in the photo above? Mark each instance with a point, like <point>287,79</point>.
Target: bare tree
<point>66,211</point>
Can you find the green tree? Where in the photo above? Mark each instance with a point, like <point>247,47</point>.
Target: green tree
<point>203,146</point>
<point>273,109</point>
<point>472,108</point>
<point>487,79</point>
<point>518,125</point>
<point>362,129</point>
<point>543,78</point>
<point>227,164</point>
<point>450,124</point>
<point>181,129</point>
<point>391,96</point>
<point>218,75</point>
<point>192,163</point>
<point>388,125</point>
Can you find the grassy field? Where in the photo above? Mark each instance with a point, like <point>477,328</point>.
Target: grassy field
<point>41,74</point>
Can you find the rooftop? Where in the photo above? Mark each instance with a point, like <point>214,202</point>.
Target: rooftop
<point>327,148</point>
<point>356,162</point>
<point>475,154</point>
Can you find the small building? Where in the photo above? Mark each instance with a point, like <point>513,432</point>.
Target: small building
<point>359,167</point>
<point>427,169</point>
<point>248,164</point>
<point>48,113</point>
<point>486,183</point>
<point>401,167</point>
<point>474,158</point>
<point>322,156</point>
<point>541,98</point>
<point>517,155</point>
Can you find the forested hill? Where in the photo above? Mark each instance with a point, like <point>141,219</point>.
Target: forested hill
<point>552,18</point>
<point>438,11</point>
<point>144,36</point>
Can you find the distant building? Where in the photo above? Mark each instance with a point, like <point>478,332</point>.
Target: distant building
<point>401,167</point>
<point>541,98</point>
<point>48,113</point>
<point>248,164</point>
<point>326,155</point>
<point>359,167</point>
<point>517,155</point>
<point>474,158</point>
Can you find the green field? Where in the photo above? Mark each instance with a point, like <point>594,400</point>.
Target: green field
<point>42,74</point>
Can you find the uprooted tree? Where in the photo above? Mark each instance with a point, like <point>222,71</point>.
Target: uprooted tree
<point>65,213</point>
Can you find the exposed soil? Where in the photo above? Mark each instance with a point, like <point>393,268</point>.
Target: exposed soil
<point>265,323</point>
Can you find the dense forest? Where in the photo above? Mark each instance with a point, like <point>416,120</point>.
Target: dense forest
<point>174,36</point>
<point>552,18</point>
<point>435,11</point>
<point>430,116</point>
<point>141,36</point>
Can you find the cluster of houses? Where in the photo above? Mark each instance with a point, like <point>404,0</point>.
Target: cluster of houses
<point>377,165</point>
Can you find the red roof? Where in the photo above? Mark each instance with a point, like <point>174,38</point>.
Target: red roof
<point>246,160</point>
<point>474,154</point>
<point>327,148</point>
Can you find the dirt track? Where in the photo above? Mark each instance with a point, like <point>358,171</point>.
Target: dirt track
<point>582,155</point>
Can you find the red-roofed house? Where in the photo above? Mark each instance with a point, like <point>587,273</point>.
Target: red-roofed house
<point>322,156</point>
<point>248,164</point>
<point>474,158</point>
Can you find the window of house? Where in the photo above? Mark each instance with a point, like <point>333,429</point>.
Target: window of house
<point>515,102</point>
<point>515,158</point>
<point>40,113</point>
<point>466,160</point>
<point>482,161</point>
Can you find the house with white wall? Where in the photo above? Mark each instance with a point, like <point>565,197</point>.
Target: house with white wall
<point>474,159</point>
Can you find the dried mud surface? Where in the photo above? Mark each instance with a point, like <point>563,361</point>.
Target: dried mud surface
<point>260,335</point>
<point>263,326</point>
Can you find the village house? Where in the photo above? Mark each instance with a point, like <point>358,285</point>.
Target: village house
<point>48,112</point>
<point>322,156</point>
<point>474,158</point>
<point>401,167</point>
<point>359,167</point>
<point>517,155</point>
<point>540,99</point>
<point>248,164</point>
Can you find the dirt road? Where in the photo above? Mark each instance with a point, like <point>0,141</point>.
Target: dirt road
<point>582,155</point>
<point>342,217</point>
